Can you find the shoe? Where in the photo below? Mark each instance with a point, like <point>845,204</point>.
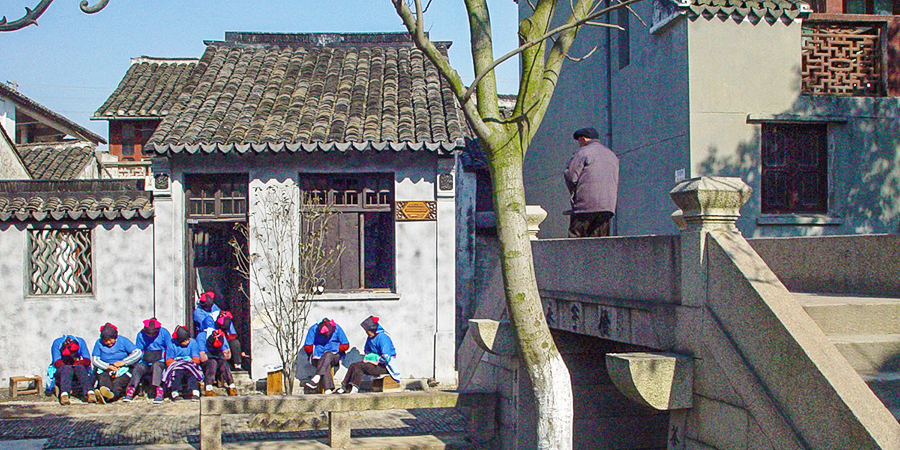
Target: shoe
<point>158,400</point>
<point>64,398</point>
<point>310,385</point>
<point>175,396</point>
<point>341,390</point>
<point>231,391</point>
<point>106,393</point>
<point>100,399</point>
<point>91,397</point>
<point>209,392</point>
<point>195,395</point>
<point>327,392</point>
<point>129,395</point>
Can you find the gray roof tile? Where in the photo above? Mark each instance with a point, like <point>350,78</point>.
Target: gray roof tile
<point>56,160</point>
<point>74,200</point>
<point>307,92</point>
<point>149,89</point>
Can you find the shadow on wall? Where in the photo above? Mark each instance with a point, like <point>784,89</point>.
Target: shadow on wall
<point>863,165</point>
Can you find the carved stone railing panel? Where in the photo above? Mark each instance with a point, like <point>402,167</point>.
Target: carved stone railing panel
<point>60,262</point>
<point>843,59</point>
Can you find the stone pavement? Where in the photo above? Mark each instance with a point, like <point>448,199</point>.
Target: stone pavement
<point>33,423</point>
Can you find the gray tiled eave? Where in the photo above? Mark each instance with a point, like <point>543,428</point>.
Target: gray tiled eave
<point>276,147</point>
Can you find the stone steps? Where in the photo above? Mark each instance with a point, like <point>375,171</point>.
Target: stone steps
<point>866,330</point>
<point>842,314</point>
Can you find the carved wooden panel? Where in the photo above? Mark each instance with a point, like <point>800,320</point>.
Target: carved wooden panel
<point>841,59</point>
<point>416,210</point>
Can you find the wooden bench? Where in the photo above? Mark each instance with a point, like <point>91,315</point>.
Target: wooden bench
<point>384,383</point>
<point>14,385</point>
<point>482,406</point>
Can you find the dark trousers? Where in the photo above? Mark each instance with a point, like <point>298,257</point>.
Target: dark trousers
<point>591,224</point>
<point>115,384</point>
<point>235,346</point>
<point>78,377</point>
<point>323,366</point>
<point>216,369</point>
<point>356,371</point>
<point>141,369</point>
<point>184,382</point>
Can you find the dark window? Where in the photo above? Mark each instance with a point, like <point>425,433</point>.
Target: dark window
<point>794,168</point>
<point>220,196</point>
<point>364,225</point>
<point>624,37</point>
<point>128,139</point>
<point>60,262</point>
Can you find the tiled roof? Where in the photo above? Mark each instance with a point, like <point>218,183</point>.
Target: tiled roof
<point>81,132</point>
<point>754,10</point>
<point>149,89</point>
<point>56,160</point>
<point>260,92</point>
<point>74,200</point>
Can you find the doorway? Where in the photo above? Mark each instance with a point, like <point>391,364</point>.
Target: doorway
<point>216,209</point>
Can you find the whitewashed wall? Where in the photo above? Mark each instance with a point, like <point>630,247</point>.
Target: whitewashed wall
<point>123,295</point>
<point>420,315</point>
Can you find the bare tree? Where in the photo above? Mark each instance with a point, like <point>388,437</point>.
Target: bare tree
<point>287,267</point>
<point>542,52</point>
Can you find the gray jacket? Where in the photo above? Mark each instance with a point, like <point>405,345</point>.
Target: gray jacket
<point>592,176</point>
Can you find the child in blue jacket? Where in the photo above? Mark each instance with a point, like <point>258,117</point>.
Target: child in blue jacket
<point>380,358</point>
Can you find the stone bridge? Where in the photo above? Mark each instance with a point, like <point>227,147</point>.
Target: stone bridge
<point>692,341</point>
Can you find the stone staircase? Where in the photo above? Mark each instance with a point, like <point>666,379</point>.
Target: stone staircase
<point>866,330</point>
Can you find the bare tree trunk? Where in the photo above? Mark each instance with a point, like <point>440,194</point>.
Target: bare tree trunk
<point>546,368</point>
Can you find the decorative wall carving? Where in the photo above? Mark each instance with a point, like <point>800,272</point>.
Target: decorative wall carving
<point>842,59</point>
<point>416,210</point>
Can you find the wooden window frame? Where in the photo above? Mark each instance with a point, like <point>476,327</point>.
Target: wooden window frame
<point>219,197</point>
<point>791,154</point>
<point>370,198</point>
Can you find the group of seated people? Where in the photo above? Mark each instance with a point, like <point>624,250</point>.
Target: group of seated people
<point>178,363</point>
<point>326,345</point>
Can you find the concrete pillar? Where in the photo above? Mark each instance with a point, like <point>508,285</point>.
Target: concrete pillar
<point>707,204</point>
<point>445,303</point>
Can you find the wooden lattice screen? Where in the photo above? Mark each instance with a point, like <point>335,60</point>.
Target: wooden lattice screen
<point>841,59</point>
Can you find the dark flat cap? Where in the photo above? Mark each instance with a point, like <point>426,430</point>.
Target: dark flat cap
<point>590,133</point>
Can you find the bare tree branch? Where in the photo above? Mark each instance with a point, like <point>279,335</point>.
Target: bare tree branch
<point>290,234</point>
<point>32,14</point>
<point>588,55</point>
<point>588,20</point>
<point>443,66</point>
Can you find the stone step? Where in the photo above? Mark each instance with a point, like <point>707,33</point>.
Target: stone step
<point>869,354</point>
<point>845,314</point>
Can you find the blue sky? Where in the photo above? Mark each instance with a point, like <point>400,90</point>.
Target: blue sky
<point>71,62</point>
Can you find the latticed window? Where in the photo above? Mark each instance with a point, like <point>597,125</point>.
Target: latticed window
<point>842,59</point>
<point>365,226</point>
<point>794,168</point>
<point>60,262</point>
<point>220,196</point>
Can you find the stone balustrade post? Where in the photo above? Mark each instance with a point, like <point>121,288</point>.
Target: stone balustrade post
<point>706,204</point>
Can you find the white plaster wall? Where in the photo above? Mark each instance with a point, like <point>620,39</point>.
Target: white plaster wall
<point>410,316</point>
<point>738,69</point>
<point>123,295</point>
<point>8,117</point>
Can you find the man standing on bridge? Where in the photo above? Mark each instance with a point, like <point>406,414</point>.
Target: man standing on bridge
<point>592,176</point>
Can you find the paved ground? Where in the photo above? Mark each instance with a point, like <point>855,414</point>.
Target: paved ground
<point>33,422</point>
